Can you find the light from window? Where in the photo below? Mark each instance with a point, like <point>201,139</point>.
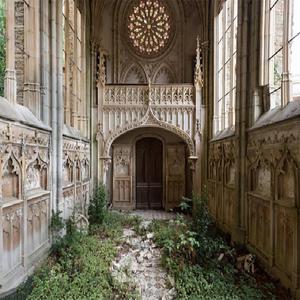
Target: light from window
<point>149,27</point>
<point>225,87</point>
<point>294,44</point>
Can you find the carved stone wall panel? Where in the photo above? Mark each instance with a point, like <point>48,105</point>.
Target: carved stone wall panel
<point>175,185</point>
<point>259,225</point>
<point>12,238</point>
<point>76,176</point>
<point>122,176</point>
<point>122,191</point>
<point>37,223</point>
<point>128,107</point>
<point>228,208</point>
<point>211,194</point>
<point>221,181</point>
<point>286,225</point>
<point>67,204</point>
<point>24,177</point>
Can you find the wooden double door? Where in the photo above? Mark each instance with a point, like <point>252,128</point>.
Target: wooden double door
<point>149,173</point>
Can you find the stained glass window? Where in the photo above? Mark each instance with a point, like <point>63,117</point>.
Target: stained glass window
<point>149,27</point>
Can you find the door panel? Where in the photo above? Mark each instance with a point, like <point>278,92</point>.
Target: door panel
<point>149,186</point>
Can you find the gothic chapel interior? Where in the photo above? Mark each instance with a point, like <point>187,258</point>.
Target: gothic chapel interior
<point>157,99</point>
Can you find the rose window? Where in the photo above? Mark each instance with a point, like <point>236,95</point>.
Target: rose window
<point>149,27</point>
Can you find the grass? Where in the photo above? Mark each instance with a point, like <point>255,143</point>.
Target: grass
<point>79,266</point>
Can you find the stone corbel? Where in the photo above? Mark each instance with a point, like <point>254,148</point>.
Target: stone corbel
<point>192,160</point>
<point>106,162</point>
<point>99,133</point>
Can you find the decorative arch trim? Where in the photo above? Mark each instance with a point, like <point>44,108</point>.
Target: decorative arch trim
<point>149,120</point>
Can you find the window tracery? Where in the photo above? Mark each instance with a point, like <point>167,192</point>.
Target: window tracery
<point>225,62</point>
<point>149,27</point>
<point>280,47</point>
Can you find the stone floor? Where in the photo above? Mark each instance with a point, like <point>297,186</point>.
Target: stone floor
<point>154,214</point>
<point>138,261</point>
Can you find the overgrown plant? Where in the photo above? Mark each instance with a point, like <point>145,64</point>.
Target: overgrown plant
<point>56,225</point>
<point>98,205</point>
<point>191,248</point>
<point>186,205</point>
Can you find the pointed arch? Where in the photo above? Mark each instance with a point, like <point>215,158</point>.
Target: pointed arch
<point>164,75</point>
<point>134,74</point>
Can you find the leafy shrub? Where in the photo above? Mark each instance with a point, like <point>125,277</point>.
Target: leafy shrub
<point>191,248</point>
<point>56,225</point>
<point>98,205</point>
<point>186,205</point>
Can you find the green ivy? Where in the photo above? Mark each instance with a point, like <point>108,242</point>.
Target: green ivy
<point>98,205</point>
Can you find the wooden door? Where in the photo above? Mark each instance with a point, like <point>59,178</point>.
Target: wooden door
<point>149,173</point>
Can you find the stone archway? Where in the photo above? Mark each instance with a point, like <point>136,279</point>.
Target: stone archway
<point>165,191</point>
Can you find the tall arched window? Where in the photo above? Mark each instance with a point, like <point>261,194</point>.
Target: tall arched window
<point>73,52</point>
<point>2,46</point>
<point>225,65</point>
<point>280,50</point>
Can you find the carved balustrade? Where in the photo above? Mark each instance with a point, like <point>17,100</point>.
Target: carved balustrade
<point>126,104</point>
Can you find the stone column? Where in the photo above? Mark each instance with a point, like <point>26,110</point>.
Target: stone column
<point>53,78</point>
<point>198,121</point>
<point>93,115</point>
<point>45,62</point>
<point>60,100</point>
<point>32,93</point>
<point>10,84</point>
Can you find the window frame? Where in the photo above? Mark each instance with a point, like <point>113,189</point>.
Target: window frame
<point>265,48</point>
<point>225,89</point>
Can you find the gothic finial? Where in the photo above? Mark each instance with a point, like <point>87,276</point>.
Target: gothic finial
<point>198,80</point>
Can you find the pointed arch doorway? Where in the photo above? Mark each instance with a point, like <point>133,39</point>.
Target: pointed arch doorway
<point>149,173</point>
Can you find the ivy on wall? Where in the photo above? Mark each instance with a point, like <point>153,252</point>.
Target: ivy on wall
<point>2,46</point>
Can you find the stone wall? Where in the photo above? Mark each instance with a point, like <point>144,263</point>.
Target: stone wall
<point>252,172</point>
<point>75,177</point>
<point>25,199</point>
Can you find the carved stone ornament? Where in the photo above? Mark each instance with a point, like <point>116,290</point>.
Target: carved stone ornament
<point>150,120</point>
<point>149,27</point>
<point>122,155</point>
<point>198,80</point>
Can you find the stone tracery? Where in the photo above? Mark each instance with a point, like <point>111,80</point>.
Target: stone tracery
<point>149,27</point>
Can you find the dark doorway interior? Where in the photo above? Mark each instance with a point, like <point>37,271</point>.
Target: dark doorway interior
<point>149,173</point>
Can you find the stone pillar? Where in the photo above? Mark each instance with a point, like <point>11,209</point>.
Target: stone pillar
<point>53,22</point>
<point>60,101</point>
<point>198,121</point>
<point>45,62</point>
<point>32,93</point>
<point>10,84</point>
<point>94,115</point>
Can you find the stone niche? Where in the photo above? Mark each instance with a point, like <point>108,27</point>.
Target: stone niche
<point>260,180</point>
<point>36,176</point>
<point>10,180</point>
<point>68,172</point>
